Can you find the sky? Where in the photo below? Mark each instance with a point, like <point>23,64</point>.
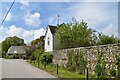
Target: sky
<point>29,20</point>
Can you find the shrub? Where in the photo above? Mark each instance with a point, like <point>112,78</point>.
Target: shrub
<point>46,58</point>
<point>9,57</point>
<point>37,54</point>
<point>100,66</point>
<point>71,68</point>
<point>32,57</point>
<point>118,64</point>
<point>113,73</point>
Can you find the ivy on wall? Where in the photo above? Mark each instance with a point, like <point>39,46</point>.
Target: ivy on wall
<point>118,64</point>
<point>103,61</point>
<point>100,65</point>
<point>76,61</point>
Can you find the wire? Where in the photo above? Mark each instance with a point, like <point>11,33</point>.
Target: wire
<point>7,13</point>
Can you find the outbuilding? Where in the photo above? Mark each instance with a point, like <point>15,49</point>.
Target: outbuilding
<point>16,51</point>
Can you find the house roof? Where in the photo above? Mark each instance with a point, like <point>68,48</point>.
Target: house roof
<point>16,50</point>
<point>52,28</point>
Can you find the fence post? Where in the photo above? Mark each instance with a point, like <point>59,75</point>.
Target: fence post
<point>57,69</point>
<point>87,73</point>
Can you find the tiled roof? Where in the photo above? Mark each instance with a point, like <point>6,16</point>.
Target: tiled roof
<point>52,28</point>
<point>16,50</point>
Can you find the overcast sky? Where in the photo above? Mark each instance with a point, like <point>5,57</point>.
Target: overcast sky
<point>28,20</point>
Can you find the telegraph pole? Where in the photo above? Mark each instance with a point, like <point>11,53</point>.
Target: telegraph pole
<point>58,20</point>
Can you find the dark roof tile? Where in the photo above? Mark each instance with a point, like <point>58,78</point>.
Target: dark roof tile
<point>16,50</point>
<point>52,28</point>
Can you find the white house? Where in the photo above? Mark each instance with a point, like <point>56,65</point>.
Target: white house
<point>51,42</point>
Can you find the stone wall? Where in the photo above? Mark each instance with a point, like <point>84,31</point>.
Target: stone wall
<point>110,51</point>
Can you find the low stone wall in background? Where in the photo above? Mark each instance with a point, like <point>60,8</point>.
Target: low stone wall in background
<point>110,51</point>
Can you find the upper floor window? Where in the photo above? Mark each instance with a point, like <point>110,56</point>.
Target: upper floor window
<point>48,41</point>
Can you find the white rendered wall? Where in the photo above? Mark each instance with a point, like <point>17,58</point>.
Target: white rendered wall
<point>50,36</point>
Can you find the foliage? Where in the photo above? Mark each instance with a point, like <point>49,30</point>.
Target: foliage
<point>100,66</point>
<point>33,51</point>
<point>75,34</point>
<point>39,42</point>
<point>32,57</point>
<point>76,61</point>
<point>0,50</point>
<point>103,39</point>
<point>82,64</point>
<point>29,50</point>
<point>11,41</point>
<point>37,54</point>
<point>71,68</point>
<point>15,56</point>
<point>113,73</point>
<point>118,64</point>
<point>46,58</point>
<point>63,73</point>
<point>19,56</point>
<point>9,57</point>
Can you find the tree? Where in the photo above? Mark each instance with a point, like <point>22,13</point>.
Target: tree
<point>75,34</point>
<point>81,34</point>
<point>36,49</point>
<point>11,41</point>
<point>39,42</point>
<point>37,53</point>
<point>103,39</point>
<point>64,35</point>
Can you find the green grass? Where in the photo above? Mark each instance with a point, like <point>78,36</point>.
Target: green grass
<point>63,73</point>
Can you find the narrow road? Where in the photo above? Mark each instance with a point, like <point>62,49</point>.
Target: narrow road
<point>1,68</point>
<point>15,68</point>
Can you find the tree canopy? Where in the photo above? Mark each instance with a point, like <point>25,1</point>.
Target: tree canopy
<point>104,39</point>
<point>78,34</point>
<point>75,34</point>
<point>11,41</point>
<point>39,42</point>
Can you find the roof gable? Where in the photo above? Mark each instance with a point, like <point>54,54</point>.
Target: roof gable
<point>52,28</point>
<point>16,50</point>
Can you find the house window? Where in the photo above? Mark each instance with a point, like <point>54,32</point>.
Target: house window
<point>48,41</point>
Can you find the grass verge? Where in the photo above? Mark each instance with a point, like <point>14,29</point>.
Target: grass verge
<point>63,73</point>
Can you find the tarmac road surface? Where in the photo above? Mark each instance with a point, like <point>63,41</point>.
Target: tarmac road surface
<point>1,68</point>
<point>16,68</point>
